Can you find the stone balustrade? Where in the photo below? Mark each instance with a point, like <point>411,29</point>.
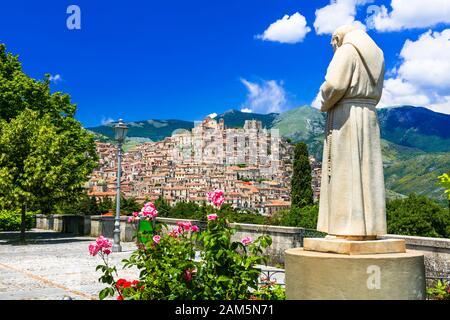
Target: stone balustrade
<point>436,250</point>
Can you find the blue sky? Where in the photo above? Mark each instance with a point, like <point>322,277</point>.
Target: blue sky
<point>187,59</point>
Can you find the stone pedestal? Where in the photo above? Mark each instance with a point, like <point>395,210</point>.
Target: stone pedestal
<point>354,247</point>
<point>333,276</point>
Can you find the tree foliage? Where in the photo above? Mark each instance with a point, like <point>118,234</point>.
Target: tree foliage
<point>305,217</point>
<point>301,189</point>
<point>18,92</point>
<point>10,220</point>
<point>45,154</point>
<point>83,205</point>
<point>417,216</point>
<point>445,182</point>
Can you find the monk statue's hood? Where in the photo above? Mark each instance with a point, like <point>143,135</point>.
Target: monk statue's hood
<point>370,53</point>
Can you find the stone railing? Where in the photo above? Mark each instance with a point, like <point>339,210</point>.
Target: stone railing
<point>436,250</point>
<point>104,226</point>
<point>65,223</point>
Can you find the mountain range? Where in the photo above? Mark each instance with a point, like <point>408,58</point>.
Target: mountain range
<point>415,141</point>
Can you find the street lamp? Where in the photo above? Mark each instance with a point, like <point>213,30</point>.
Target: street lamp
<point>120,132</point>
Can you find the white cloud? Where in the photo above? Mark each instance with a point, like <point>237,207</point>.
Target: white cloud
<point>246,110</point>
<point>265,97</point>
<point>423,77</point>
<point>336,14</point>
<point>105,121</point>
<point>442,106</point>
<point>397,91</point>
<point>426,61</point>
<point>55,78</point>
<point>291,29</point>
<point>212,115</point>
<point>408,14</point>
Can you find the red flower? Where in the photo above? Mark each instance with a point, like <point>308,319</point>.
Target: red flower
<point>121,282</point>
<point>187,274</point>
<point>119,298</point>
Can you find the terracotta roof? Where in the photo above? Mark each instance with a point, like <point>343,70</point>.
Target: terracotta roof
<point>102,193</point>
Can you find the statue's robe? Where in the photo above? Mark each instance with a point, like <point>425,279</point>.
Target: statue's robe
<point>352,194</point>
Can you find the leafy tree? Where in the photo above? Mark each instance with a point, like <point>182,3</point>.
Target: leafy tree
<point>11,221</point>
<point>128,205</point>
<point>301,189</point>
<point>105,204</point>
<point>305,217</point>
<point>445,182</point>
<point>163,207</point>
<point>45,154</point>
<point>83,205</point>
<point>417,216</point>
<point>18,92</point>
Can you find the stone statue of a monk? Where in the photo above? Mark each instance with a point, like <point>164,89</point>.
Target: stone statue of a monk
<point>352,195</point>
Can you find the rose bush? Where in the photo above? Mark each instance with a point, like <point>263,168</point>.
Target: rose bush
<point>184,263</point>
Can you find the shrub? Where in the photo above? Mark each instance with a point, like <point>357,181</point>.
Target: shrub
<point>270,290</point>
<point>417,216</point>
<point>169,270</point>
<point>441,291</point>
<point>105,204</point>
<point>82,205</point>
<point>305,217</point>
<point>11,220</point>
<point>128,205</point>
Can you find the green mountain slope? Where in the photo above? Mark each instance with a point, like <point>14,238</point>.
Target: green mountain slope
<point>303,124</point>
<point>155,130</point>
<point>236,119</point>
<point>416,127</point>
<point>418,174</point>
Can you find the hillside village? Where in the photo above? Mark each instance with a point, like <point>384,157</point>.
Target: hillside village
<point>252,165</point>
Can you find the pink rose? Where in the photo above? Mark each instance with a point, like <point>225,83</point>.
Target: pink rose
<point>246,241</point>
<point>93,249</point>
<point>216,197</point>
<point>101,245</point>
<point>156,239</point>
<point>212,216</point>
<point>175,232</point>
<point>130,219</point>
<point>148,211</point>
<point>186,226</point>
<point>195,229</point>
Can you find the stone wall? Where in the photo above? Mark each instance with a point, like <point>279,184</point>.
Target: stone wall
<point>104,226</point>
<point>74,224</point>
<point>436,250</point>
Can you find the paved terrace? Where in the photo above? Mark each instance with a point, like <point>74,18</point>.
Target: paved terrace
<point>54,266</point>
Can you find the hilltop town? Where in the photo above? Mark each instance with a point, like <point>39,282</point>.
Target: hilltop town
<point>253,165</point>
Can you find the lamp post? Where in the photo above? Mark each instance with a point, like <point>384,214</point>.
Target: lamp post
<point>120,132</point>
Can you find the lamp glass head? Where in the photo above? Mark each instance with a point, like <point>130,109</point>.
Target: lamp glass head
<point>120,131</point>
